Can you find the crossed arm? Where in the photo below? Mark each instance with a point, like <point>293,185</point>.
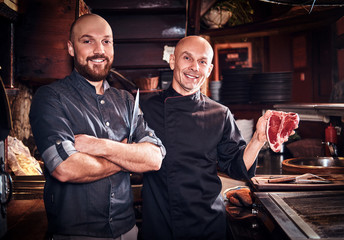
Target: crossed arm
<point>98,158</point>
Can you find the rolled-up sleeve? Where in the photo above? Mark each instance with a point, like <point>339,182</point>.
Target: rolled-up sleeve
<point>51,129</point>
<point>57,153</point>
<point>143,133</point>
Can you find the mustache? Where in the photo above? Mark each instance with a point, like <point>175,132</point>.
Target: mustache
<point>98,56</point>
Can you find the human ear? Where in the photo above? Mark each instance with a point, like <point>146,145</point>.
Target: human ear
<point>210,69</point>
<point>70,48</point>
<point>172,61</point>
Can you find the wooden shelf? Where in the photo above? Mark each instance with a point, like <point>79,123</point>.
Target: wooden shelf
<point>137,5</point>
<point>146,40</point>
<point>132,67</point>
<point>12,91</point>
<point>297,19</point>
<point>140,11</point>
<point>147,91</point>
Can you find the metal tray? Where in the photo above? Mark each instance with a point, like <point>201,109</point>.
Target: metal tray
<point>303,215</point>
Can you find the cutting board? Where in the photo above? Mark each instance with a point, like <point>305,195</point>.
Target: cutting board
<point>260,183</point>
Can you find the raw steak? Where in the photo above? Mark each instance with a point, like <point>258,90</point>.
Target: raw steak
<point>279,127</point>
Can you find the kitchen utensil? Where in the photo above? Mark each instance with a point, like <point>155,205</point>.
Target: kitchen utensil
<point>304,178</point>
<point>333,150</point>
<point>260,183</point>
<point>135,117</point>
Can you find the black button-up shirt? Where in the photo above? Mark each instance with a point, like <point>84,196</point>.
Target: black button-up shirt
<point>60,111</point>
<point>182,200</point>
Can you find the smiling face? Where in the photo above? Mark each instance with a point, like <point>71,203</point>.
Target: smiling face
<point>191,64</point>
<point>91,46</point>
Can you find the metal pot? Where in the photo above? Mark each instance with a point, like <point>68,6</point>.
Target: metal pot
<point>316,165</point>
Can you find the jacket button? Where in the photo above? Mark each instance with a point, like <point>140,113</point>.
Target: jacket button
<point>107,124</point>
<point>102,101</point>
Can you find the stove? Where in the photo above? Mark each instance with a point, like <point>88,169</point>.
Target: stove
<point>302,215</point>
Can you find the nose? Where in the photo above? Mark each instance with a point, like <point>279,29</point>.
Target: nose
<point>194,66</point>
<point>98,48</point>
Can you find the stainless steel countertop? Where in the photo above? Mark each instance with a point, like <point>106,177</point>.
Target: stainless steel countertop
<point>313,111</point>
<point>318,106</point>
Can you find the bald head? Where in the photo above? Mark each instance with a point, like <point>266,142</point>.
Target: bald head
<point>87,20</point>
<point>195,42</point>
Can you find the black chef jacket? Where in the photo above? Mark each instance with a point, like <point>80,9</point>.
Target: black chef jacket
<point>182,200</point>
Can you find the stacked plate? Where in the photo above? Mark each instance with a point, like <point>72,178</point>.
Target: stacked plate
<point>215,87</point>
<point>236,86</point>
<point>271,87</point>
<point>246,128</point>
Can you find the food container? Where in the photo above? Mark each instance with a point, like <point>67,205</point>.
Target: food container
<point>316,165</point>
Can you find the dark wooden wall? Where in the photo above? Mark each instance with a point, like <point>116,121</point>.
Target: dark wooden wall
<point>41,35</point>
<point>5,50</point>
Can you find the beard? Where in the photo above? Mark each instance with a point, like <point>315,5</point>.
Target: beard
<point>95,74</point>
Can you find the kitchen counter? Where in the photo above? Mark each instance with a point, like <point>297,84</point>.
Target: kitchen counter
<point>277,214</point>
<point>303,214</point>
<point>242,222</point>
<point>335,107</point>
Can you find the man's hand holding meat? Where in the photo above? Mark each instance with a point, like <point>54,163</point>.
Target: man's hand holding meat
<point>258,140</point>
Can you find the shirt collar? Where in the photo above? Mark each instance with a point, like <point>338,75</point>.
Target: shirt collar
<point>81,81</point>
<point>170,92</point>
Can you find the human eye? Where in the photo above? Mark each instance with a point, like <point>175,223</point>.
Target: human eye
<point>186,57</point>
<point>203,62</point>
<point>107,41</point>
<point>86,40</point>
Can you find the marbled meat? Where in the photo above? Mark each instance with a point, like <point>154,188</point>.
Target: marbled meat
<point>279,127</point>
